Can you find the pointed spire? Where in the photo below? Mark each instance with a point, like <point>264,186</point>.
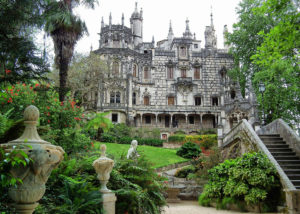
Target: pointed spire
<point>211,17</point>
<point>110,18</point>
<point>91,47</point>
<point>187,32</point>
<point>195,36</point>
<point>102,23</point>
<point>122,18</point>
<point>170,28</point>
<point>153,39</point>
<point>141,13</point>
<point>135,9</point>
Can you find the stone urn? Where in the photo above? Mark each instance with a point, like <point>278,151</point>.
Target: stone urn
<point>44,158</point>
<point>103,167</point>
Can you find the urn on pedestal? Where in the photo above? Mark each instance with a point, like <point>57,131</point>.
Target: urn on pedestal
<point>44,158</point>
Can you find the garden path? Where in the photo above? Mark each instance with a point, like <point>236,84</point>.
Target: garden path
<point>192,207</point>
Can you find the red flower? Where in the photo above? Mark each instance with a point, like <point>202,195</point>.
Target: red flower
<point>18,89</point>
<point>48,113</point>
<point>49,121</point>
<point>82,115</point>
<point>30,87</point>
<point>92,144</point>
<point>9,100</point>
<point>7,71</point>
<point>24,84</point>
<point>16,94</point>
<point>61,103</point>
<point>36,85</point>
<point>32,101</point>
<point>48,107</point>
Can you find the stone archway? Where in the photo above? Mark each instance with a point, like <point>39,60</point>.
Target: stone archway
<point>208,121</point>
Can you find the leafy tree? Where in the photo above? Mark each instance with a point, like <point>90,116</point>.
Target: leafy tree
<point>66,29</point>
<point>20,59</point>
<point>265,44</point>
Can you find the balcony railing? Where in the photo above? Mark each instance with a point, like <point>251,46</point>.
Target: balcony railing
<point>184,79</point>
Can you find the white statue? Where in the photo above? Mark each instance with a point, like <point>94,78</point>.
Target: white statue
<point>132,153</point>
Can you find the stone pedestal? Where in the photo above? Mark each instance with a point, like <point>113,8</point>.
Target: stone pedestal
<point>109,202</point>
<point>293,201</point>
<point>173,193</point>
<point>45,157</point>
<point>103,167</point>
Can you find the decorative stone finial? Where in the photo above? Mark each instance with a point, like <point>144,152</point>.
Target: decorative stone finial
<point>31,113</point>
<point>103,150</point>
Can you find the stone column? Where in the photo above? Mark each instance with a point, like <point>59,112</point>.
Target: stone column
<point>186,121</point>
<point>201,120</point>
<point>171,115</point>
<point>156,120</point>
<point>103,167</point>
<point>45,157</point>
<point>293,201</point>
<point>141,120</point>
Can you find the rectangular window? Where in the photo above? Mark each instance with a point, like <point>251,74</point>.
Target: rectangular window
<point>183,51</point>
<point>197,73</point>
<point>170,73</point>
<point>197,101</point>
<point>114,118</point>
<point>115,68</point>
<point>215,101</point>
<point>148,119</point>
<point>191,119</point>
<point>171,101</point>
<point>146,73</point>
<point>118,97</point>
<point>146,101</point>
<point>195,46</point>
<point>133,98</point>
<point>183,72</point>
<point>112,97</point>
<point>134,70</point>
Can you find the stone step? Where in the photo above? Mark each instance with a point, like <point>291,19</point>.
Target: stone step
<point>280,150</point>
<point>290,166</point>
<point>291,157</point>
<point>282,153</point>
<point>292,171</point>
<point>277,146</point>
<point>296,182</point>
<point>269,135</point>
<point>288,162</point>
<point>294,176</point>
<point>274,142</point>
<point>272,139</point>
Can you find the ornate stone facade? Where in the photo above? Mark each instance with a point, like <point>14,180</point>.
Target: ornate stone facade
<point>173,84</point>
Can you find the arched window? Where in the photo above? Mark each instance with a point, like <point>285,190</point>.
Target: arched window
<point>134,71</point>
<point>133,98</point>
<point>146,73</point>
<point>170,73</point>
<point>115,68</point>
<point>183,51</point>
<point>118,97</point>
<point>115,97</point>
<point>232,94</point>
<point>197,73</point>
<point>112,97</point>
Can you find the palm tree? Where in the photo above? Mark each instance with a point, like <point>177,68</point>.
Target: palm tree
<point>66,29</point>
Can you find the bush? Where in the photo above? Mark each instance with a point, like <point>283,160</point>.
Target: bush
<point>176,138</point>
<point>185,171</point>
<point>150,142</point>
<point>189,150</point>
<point>106,137</point>
<point>251,179</point>
<point>120,130</point>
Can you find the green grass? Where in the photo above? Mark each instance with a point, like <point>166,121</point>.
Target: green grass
<point>158,156</point>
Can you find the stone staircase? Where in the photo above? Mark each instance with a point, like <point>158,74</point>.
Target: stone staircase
<point>284,155</point>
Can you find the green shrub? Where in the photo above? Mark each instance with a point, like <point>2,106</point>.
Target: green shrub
<point>185,171</point>
<point>119,131</point>
<point>189,150</point>
<point>176,138</point>
<point>106,137</point>
<point>209,141</point>
<point>251,178</point>
<point>125,140</point>
<point>150,142</point>
<point>207,131</point>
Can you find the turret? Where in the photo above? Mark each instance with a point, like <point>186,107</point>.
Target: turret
<point>187,33</point>
<point>122,19</point>
<point>110,20</point>
<point>102,23</point>
<point>136,22</point>
<point>170,34</point>
<point>225,32</point>
<point>210,35</point>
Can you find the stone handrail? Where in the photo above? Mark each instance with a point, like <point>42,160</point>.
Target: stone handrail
<point>244,125</point>
<point>286,132</point>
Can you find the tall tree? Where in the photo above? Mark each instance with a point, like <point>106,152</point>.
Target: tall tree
<point>265,45</point>
<point>20,59</point>
<point>65,29</point>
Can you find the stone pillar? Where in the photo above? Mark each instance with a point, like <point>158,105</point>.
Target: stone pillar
<point>293,201</point>
<point>141,120</point>
<point>103,167</point>
<point>220,135</point>
<point>186,121</point>
<point>171,115</point>
<point>156,120</point>
<point>201,120</point>
<point>45,157</point>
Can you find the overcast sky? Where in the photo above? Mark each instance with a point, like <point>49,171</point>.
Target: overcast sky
<point>157,15</point>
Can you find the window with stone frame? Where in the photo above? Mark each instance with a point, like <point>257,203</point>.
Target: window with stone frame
<point>116,43</point>
<point>146,101</point>
<point>114,118</point>
<point>183,72</point>
<point>134,71</point>
<point>197,73</point>
<point>215,101</point>
<point>191,119</point>
<point>170,72</point>
<point>197,101</point>
<point>171,101</point>
<point>183,51</point>
<point>133,98</point>
<point>148,119</point>
<point>115,68</point>
<point>115,97</point>
<point>146,73</point>
<point>232,94</point>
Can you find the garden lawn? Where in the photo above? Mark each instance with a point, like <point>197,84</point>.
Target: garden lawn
<point>158,156</point>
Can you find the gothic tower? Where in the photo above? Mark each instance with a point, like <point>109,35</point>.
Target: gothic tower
<point>136,22</point>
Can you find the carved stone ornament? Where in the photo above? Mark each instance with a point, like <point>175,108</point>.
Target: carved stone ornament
<point>103,167</point>
<point>45,157</point>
